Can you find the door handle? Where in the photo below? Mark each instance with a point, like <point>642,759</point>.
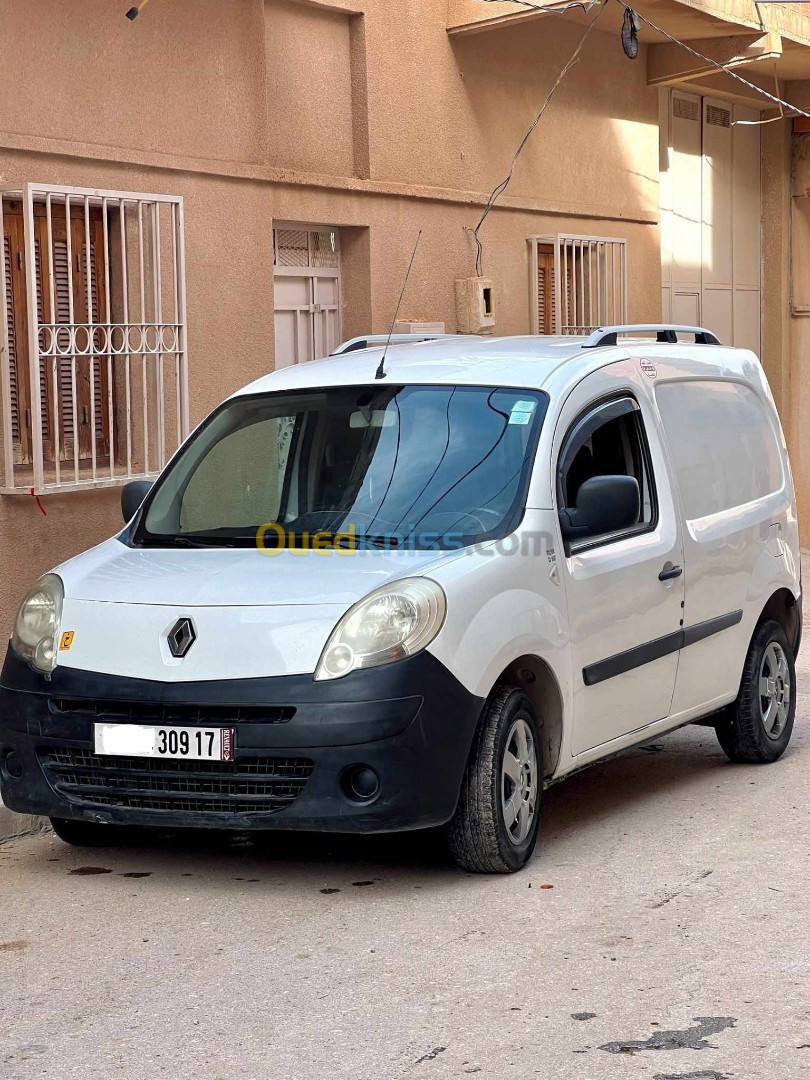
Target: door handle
<point>670,571</point>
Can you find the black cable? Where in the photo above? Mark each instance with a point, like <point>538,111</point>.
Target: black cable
<point>378,511</point>
<point>440,462</point>
<point>584,5</point>
<point>478,463</point>
<point>500,188</point>
<point>715,63</point>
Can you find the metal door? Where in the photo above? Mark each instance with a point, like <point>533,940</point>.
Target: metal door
<point>711,213</point>
<point>307,292</point>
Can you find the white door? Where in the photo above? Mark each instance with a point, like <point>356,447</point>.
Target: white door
<point>624,616</point>
<point>711,216</point>
<point>307,293</point>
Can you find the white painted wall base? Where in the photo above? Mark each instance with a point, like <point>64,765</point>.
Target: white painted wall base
<point>12,824</point>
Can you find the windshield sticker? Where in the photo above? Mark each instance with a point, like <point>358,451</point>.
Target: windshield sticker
<point>522,412</point>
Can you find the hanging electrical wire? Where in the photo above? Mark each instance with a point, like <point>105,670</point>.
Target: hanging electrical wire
<point>500,188</point>
<point>771,119</point>
<point>584,5</point>
<point>777,101</point>
<point>632,23</point>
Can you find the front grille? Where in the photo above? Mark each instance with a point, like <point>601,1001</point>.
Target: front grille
<point>148,712</point>
<point>260,784</point>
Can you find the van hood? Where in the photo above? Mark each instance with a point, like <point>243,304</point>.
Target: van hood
<point>231,577</point>
<point>252,615</point>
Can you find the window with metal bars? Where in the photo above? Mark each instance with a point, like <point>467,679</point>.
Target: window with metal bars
<point>92,346</point>
<point>577,283</point>
<point>305,247</point>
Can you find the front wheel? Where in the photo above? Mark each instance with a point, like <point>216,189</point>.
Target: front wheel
<point>756,729</point>
<point>494,829</point>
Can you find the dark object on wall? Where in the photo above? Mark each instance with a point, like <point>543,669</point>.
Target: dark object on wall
<point>630,28</point>
<point>134,12</point>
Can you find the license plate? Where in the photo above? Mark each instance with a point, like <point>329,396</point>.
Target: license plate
<point>189,743</point>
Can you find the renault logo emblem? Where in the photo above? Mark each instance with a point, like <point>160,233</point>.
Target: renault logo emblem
<point>181,637</point>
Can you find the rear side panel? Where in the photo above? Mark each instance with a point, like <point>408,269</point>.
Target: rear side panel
<point>740,533</point>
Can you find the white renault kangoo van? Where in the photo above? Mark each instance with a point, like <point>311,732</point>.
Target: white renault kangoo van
<point>384,592</point>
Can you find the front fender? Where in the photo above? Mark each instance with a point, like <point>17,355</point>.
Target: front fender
<point>504,602</point>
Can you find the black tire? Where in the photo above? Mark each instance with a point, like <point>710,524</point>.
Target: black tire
<point>91,834</point>
<point>749,731</point>
<point>479,838</point>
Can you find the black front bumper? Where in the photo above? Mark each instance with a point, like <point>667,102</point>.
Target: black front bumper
<point>296,741</point>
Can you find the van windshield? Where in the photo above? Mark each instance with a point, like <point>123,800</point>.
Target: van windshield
<point>392,467</point>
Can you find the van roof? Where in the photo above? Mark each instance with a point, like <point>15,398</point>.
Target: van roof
<point>530,361</point>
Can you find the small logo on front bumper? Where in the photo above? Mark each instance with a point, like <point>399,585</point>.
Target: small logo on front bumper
<point>181,637</point>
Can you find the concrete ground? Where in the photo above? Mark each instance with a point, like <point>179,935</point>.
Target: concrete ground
<point>660,932</point>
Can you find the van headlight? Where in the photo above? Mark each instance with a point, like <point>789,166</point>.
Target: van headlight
<point>36,630</point>
<point>391,623</point>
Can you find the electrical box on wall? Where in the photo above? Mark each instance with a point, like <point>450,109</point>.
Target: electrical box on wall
<point>475,312</point>
<point>405,327</point>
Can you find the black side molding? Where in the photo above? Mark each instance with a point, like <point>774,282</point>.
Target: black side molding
<point>702,630</point>
<point>654,650</point>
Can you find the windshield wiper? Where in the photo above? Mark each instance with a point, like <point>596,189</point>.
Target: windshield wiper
<point>374,543</point>
<point>190,541</point>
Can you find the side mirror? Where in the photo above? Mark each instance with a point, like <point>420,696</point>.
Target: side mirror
<point>132,495</point>
<point>605,504</point>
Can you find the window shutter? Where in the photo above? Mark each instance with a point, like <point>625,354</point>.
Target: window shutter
<point>545,292</point>
<point>11,325</point>
<point>61,279</point>
<point>98,389</point>
<point>45,365</point>
<point>580,283</point>
<point>64,275</point>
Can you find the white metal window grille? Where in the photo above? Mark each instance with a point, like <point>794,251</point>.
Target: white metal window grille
<point>306,262</point>
<point>305,247</point>
<point>577,283</point>
<point>93,353</point>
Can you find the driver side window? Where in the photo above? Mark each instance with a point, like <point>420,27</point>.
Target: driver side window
<point>605,487</point>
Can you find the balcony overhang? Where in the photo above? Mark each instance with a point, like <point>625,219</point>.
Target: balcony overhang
<point>685,19</point>
<point>669,64</point>
<point>474,16</point>
<point>769,43</point>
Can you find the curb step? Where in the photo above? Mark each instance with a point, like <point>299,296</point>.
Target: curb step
<point>13,825</point>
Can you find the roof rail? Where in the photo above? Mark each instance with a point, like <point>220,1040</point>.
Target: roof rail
<point>666,334</point>
<point>369,341</point>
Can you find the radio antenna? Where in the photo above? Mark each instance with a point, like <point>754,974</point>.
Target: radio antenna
<point>380,373</point>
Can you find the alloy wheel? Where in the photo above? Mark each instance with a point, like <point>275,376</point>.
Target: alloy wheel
<point>519,781</point>
<point>774,690</point>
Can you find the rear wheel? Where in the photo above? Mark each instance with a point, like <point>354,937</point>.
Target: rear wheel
<point>494,829</point>
<point>756,729</point>
<point>91,834</point>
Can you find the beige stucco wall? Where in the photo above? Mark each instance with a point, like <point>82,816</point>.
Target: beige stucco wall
<point>413,129</point>
<point>786,228</point>
<point>799,319</point>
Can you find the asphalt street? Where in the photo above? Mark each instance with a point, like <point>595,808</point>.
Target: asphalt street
<point>661,931</point>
